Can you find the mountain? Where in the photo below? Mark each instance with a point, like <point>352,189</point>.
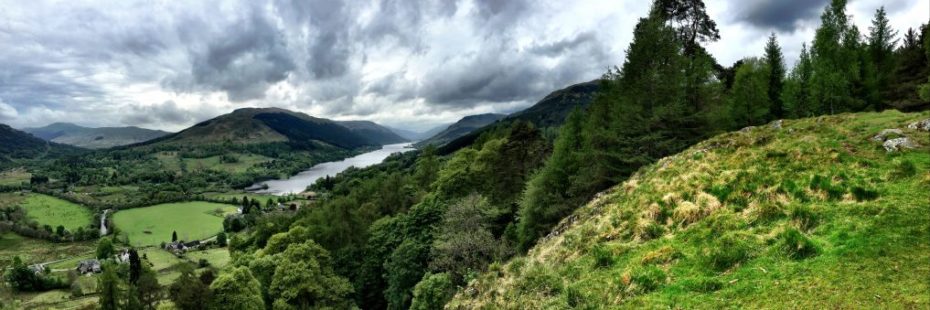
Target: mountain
<point>551,111</point>
<point>15,144</point>
<point>94,138</point>
<point>268,125</point>
<point>809,213</point>
<point>417,136</point>
<point>374,132</point>
<point>463,127</point>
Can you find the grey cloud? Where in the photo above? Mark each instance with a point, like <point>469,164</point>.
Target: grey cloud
<point>243,62</point>
<point>159,114</point>
<point>783,15</point>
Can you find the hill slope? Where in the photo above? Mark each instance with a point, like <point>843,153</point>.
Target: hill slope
<point>94,138</point>
<point>460,128</point>
<point>15,144</point>
<point>551,111</point>
<point>374,132</point>
<point>813,214</point>
<point>265,125</point>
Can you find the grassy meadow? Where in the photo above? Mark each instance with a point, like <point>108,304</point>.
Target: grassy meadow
<point>37,250</point>
<point>153,225</point>
<point>14,177</point>
<point>809,215</point>
<point>47,210</point>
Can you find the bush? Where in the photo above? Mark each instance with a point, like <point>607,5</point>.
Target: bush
<point>726,251</point>
<point>796,245</point>
<point>433,292</point>
<point>904,169</point>
<point>647,278</point>
<point>864,194</point>
<point>805,217</point>
<point>539,279</point>
<point>602,256</point>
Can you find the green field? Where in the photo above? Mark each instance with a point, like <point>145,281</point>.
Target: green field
<point>37,250</point>
<point>14,177</point>
<point>47,210</point>
<point>153,225</point>
<point>218,257</point>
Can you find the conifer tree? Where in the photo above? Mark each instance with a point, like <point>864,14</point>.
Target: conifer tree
<point>775,62</point>
<point>881,45</point>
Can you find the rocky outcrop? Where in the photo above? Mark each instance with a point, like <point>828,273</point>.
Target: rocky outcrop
<point>923,125</point>
<point>887,134</point>
<point>897,144</point>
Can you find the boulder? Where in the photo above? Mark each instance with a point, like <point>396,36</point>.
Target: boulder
<point>776,124</point>
<point>885,134</point>
<point>897,144</point>
<point>923,125</point>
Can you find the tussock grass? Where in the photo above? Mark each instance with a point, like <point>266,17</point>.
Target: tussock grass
<point>814,215</point>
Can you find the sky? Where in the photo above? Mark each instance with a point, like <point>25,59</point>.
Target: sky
<point>406,64</point>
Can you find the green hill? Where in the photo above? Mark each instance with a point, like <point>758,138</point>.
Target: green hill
<point>808,213</point>
<point>551,111</point>
<point>461,128</point>
<point>374,132</point>
<point>15,144</point>
<point>267,125</point>
<point>94,138</point>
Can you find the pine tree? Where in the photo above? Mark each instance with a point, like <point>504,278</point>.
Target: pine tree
<point>796,96</point>
<point>749,102</point>
<point>881,45</point>
<point>775,63</point>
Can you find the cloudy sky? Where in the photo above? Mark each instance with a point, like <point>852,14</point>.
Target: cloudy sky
<point>408,64</point>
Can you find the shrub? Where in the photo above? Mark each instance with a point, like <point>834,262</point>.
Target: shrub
<point>602,256</point>
<point>904,169</point>
<point>647,278</point>
<point>726,251</point>
<point>433,292</point>
<point>864,194</point>
<point>796,245</point>
<point>539,279</point>
<point>804,216</point>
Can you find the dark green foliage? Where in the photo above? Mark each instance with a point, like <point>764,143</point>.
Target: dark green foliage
<point>235,289</point>
<point>603,257</point>
<point>647,278</point>
<point>804,216</point>
<point>23,279</point>
<point>404,268</point>
<point>188,292</point>
<point>796,245</point>
<point>750,103</point>
<point>135,266</point>
<point>726,251</point>
<point>464,243</point>
<point>433,292</point>
<point>221,239</point>
<point>775,65</point>
<point>904,169</point>
<point>301,131</point>
<point>864,194</point>
<point>110,288</point>
<point>105,248</point>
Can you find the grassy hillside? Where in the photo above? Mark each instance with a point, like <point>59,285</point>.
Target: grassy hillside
<point>15,144</point>
<point>813,214</point>
<point>155,224</point>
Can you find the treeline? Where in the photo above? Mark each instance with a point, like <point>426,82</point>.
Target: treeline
<point>670,93</point>
<point>409,232</point>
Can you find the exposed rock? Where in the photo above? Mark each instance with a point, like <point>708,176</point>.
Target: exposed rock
<point>747,129</point>
<point>923,125</point>
<point>899,144</point>
<point>886,133</point>
<point>776,124</point>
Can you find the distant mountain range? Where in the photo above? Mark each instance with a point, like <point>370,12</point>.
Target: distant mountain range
<point>15,144</point>
<point>267,125</point>
<point>418,136</point>
<point>94,138</point>
<point>551,111</point>
<point>463,127</point>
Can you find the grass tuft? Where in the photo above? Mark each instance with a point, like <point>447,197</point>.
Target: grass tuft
<point>796,245</point>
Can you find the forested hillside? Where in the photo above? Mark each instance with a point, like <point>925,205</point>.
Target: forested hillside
<point>415,230</point>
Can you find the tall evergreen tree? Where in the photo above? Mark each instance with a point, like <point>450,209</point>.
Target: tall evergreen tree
<point>749,99</point>
<point>110,288</point>
<point>881,44</point>
<point>775,62</point>
<point>796,96</point>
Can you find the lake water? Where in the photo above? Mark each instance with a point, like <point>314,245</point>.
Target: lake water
<point>299,182</point>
